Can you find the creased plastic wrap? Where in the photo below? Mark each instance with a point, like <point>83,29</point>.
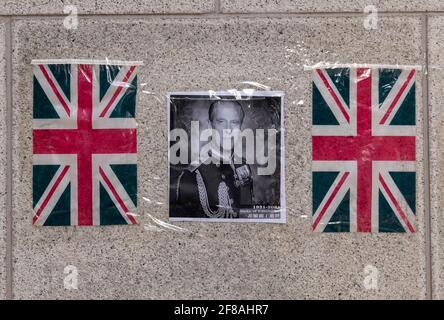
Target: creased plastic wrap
<point>363,148</point>
<point>226,157</point>
<point>84,143</point>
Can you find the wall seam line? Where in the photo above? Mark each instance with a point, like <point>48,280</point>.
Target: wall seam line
<point>427,173</point>
<point>220,14</point>
<point>9,151</point>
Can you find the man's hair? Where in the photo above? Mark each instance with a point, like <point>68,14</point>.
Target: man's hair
<point>215,103</point>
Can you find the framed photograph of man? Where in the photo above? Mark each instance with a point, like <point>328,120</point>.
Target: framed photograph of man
<point>226,156</point>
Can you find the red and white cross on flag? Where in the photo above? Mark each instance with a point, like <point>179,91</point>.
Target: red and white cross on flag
<point>84,143</point>
<point>363,149</point>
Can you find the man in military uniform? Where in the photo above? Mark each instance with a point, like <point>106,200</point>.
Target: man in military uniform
<point>217,187</point>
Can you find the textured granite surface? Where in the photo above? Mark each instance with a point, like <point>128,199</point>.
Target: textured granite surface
<point>27,7</point>
<point>436,96</point>
<point>3,156</point>
<point>329,6</point>
<point>197,260</point>
<point>38,7</point>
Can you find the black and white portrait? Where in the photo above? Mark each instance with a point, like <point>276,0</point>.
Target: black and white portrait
<point>226,156</point>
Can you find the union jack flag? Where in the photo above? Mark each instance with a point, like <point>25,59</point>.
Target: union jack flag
<point>363,150</point>
<point>84,143</point>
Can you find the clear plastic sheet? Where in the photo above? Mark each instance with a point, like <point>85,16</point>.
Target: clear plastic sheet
<point>363,148</point>
<point>84,142</point>
<point>226,157</point>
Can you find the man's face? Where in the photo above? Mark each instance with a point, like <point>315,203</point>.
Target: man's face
<point>227,116</point>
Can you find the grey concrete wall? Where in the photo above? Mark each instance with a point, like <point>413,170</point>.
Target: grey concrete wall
<point>201,45</point>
